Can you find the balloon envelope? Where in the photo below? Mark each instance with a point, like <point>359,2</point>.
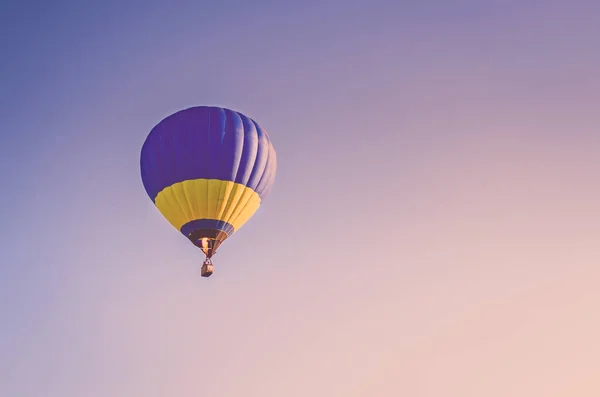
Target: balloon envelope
<point>207,170</point>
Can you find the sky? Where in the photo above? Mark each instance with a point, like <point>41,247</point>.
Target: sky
<point>433,230</point>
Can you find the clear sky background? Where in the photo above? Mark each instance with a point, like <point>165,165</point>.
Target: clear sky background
<point>434,228</point>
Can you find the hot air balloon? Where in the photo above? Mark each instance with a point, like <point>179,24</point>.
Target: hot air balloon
<point>207,170</point>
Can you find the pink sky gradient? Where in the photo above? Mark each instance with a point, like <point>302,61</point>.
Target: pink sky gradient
<point>433,231</point>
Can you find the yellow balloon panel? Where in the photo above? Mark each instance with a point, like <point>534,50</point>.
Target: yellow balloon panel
<point>195,199</point>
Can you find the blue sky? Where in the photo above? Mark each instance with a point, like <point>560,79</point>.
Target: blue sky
<point>432,230</point>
